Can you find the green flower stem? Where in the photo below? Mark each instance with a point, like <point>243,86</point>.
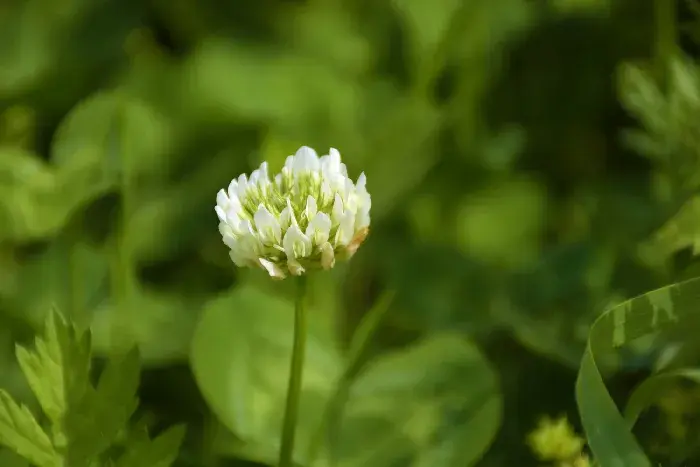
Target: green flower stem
<point>296,373</point>
<point>665,41</point>
<point>358,346</point>
<point>119,146</point>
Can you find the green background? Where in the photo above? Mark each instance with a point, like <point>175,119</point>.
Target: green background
<point>507,213</point>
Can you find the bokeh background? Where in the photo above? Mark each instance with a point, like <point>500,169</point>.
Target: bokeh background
<point>507,213</point>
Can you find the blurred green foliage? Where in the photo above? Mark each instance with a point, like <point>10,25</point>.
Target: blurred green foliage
<point>508,210</point>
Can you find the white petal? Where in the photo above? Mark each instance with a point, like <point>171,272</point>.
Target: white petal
<point>346,229</point>
<point>222,199</point>
<point>241,228</point>
<point>232,218</point>
<point>285,218</point>
<point>268,227</point>
<point>242,187</point>
<point>229,240</point>
<point>361,184</point>
<point>220,213</point>
<point>289,162</point>
<point>327,256</point>
<point>362,219</point>
<point>311,207</point>
<point>249,245</point>
<point>319,228</point>
<point>254,177</point>
<point>337,212</point>
<point>224,228</point>
<point>272,269</point>
<point>305,160</point>
<point>233,188</point>
<point>330,164</point>
<point>296,244</point>
<point>264,180</point>
<point>326,192</point>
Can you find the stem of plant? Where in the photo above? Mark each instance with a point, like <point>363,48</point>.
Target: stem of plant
<point>665,42</point>
<point>296,371</point>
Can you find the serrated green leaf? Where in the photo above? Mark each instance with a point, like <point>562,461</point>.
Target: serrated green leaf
<point>57,369</point>
<point>95,424</point>
<point>20,432</point>
<point>159,452</point>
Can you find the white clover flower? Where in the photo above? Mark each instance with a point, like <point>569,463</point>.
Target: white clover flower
<point>307,217</point>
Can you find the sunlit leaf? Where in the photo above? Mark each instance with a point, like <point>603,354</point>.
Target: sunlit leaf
<point>58,368</point>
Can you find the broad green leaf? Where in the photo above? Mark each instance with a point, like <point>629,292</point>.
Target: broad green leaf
<point>30,207</point>
<point>20,432</point>
<point>608,433</point>
<point>70,275</point>
<point>94,424</point>
<point>481,217</point>
<point>112,133</point>
<point>240,358</point>
<point>649,391</point>
<point>172,220</point>
<point>426,23</point>
<point>401,129</point>
<point>223,83</point>
<point>9,458</point>
<point>159,324</point>
<point>57,369</point>
<point>434,403</point>
<point>25,47</point>
<point>327,33</point>
<point>158,452</point>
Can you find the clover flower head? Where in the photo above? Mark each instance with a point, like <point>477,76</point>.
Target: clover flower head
<point>306,217</point>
